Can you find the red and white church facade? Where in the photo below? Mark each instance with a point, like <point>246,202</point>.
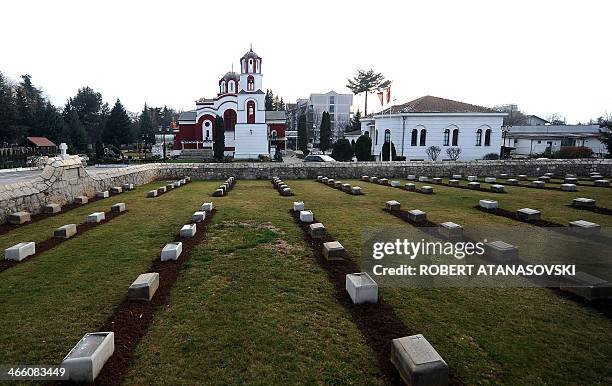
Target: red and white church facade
<point>250,131</point>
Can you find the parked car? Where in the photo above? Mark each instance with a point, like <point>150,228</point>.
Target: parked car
<point>318,158</point>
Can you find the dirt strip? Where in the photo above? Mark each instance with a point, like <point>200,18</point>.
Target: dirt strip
<point>52,242</point>
<point>479,189</point>
<point>6,227</point>
<point>378,322</point>
<point>131,319</point>
<point>596,209</point>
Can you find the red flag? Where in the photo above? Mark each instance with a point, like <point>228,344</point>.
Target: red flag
<point>381,98</point>
<point>388,94</point>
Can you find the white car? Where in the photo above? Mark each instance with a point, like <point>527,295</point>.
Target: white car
<point>318,158</point>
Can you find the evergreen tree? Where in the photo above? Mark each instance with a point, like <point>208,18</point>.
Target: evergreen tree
<point>281,105</point>
<point>385,152</point>
<point>302,139</point>
<point>48,122</point>
<point>219,137</point>
<point>355,121</point>
<point>325,132</point>
<point>269,100</point>
<point>606,134</point>
<point>8,117</point>
<point>91,111</point>
<point>118,125</point>
<point>363,148</point>
<point>342,150</point>
<point>145,126</point>
<point>75,134</point>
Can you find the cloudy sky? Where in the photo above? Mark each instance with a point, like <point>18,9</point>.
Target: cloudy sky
<point>546,56</point>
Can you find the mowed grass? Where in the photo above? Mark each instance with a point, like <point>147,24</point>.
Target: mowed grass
<point>252,306</point>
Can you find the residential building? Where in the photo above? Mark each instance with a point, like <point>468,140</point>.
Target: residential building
<point>531,140</point>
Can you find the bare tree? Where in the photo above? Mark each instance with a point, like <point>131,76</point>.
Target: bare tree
<point>556,119</point>
<point>433,152</point>
<point>453,153</point>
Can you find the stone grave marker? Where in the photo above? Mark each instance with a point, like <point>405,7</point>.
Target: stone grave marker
<point>426,189</point>
<point>81,200</point>
<point>207,207</point>
<point>395,184</point>
<point>333,250</point>
<point>20,251</point>
<point>512,181</point>
<point>601,183</point>
<point>298,206</point>
<point>450,230</point>
<point>103,194</point>
<point>583,202</point>
<point>172,251</point>
<point>306,216</point>
<point>423,179</point>
<point>117,189</point>
<point>18,218</point>
<point>144,287</point>
<point>410,186</point>
<point>497,188</point>
<point>584,227</point>
<point>569,187</point>
<point>356,190</point>
<point>453,182</point>
<point>501,251</point>
<point>361,288</point>
<point>488,204</point>
<point>85,361</point>
<point>392,205</point>
<point>152,193</point>
<point>66,231</point>
<point>528,214</point>
<point>490,180</point>
<point>198,216</point>
<point>472,178</point>
<point>537,184</point>
<point>96,217</point>
<point>317,230</point>
<point>188,230</point>
<point>587,286</point>
<point>473,185</point>
<point>417,215</point>
<point>417,362</point>
<point>118,207</point>
<point>52,208</point>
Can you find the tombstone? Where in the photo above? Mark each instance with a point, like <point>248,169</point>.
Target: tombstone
<point>169,187</point>
<point>286,192</point>
<point>117,189</point>
<point>587,286</point>
<point>423,179</point>
<point>528,214</point>
<point>85,361</point>
<point>361,288</point>
<point>188,179</point>
<point>298,206</point>
<point>356,190</point>
<point>453,182</point>
<point>416,215</point>
<point>490,180</point>
<point>331,182</point>
<point>456,176</point>
<point>176,184</point>
<point>365,178</point>
<point>96,217</point>
<point>411,177</point>
<point>338,184</point>
<point>392,205</point>
<point>426,189</point>
<point>324,180</point>
<point>550,175</point>
<point>103,194</point>
<point>306,216</point>
<point>472,178</point>
<point>333,250</point>
<point>450,230</point>
<point>501,251</point>
<point>512,181</point>
<point>374,179</point>
<point>20,251</point>
<point>584,227</point>
<point>537,184</point>
<point>596,177</point>
<point>583,202</point>
<point>144,287</point>
<point>570,180</point>
<point>544,178</point>
<point>417,362</point>
<point>172,251</point>
<point>52,208</point>
<point>65,232</point>
<point>63,150</point>
<point>81,200</point>
<point>118,207</point>
<point>346,187</point>
<point>198,216</point>
<point>207,207</point>
<point>410,186</point>
<point>319,178</point>
<point>497,188</point>
<point>601,183</point>
<point>152,193</point>
<point>473,185</point>
<point>188,230</point>
<point>317,230</point>
<point>218,193</point>
<point>161,190</point>
<point>383,181</point>
<point>522,177</point>
<point>569,187</point>
<point>569,175</point>
<point>488,204</point>
<point>128,186</point>
<point>503,175</point>
<point>395,184</point>
<point>436,180</point>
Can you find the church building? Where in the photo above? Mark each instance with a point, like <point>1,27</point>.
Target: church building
<point>250,130</point>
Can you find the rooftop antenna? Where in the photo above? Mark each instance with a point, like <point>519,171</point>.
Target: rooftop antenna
<point>251,49</point>
<point>232,67</point>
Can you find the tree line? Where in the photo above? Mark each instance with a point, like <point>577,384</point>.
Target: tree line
<point>83,123</point>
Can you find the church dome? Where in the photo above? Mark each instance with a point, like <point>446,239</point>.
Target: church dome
<point>231,75</point>
<point>251,55</point>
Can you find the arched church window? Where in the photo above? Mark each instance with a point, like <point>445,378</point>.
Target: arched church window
<point>222,87</point>
<point>446,137</point>
<point>229,119</point>
<point>258,66</point>
<point>478,137</point>
<point>251,65</point>
<point>413,139</point>
<point>423,139</point>
<point>488,137</point>
<point>250,111</point>
<point>273,134</point>
<point>387,135</point>
<point>455,137</point>
<point>366,133</point>
<point>243,65</point>
<point>232,86</point>
<point>250,83</point>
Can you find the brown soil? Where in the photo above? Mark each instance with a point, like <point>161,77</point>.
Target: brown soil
<point>131,319</point>
<point>597,209</point>
<point>513,216</point>
<point>6,227</point>
<point>54,241</point>
<point>378,322</point>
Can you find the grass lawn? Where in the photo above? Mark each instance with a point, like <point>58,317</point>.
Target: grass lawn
<point>252,306</point>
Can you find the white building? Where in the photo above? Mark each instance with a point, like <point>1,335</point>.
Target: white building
<point>428,121</point>
<point>539,139</point>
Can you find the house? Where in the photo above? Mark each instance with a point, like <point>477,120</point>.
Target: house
<point>431,121</point>
<point>546,139</point>
<point>240,101</point>
<point>41,145</point>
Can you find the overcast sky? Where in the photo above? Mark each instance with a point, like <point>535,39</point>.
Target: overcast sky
<point>547,57</point>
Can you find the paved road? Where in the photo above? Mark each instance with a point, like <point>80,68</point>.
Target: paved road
<point>19,176</point>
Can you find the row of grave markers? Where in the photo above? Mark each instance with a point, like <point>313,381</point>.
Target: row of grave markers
<point>169,186</point>
<point>282,188</point>
<point>416,360</point>
<point>337,184</point>
<point>425,189</point>
<point>225,187</point>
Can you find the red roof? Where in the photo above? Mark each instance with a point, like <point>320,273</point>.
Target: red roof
<point>41,142</point>
<point>431,104</point>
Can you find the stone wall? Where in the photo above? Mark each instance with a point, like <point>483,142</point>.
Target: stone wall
<point>63,179</point>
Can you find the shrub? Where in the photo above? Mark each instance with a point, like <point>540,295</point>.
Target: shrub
<point>491,156</point>
<point>385,151</point>
<point>572,152</point>
<point>342,150</point>
<point>453,153</point>
<point>433,152</point>
<point>363,148</point>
